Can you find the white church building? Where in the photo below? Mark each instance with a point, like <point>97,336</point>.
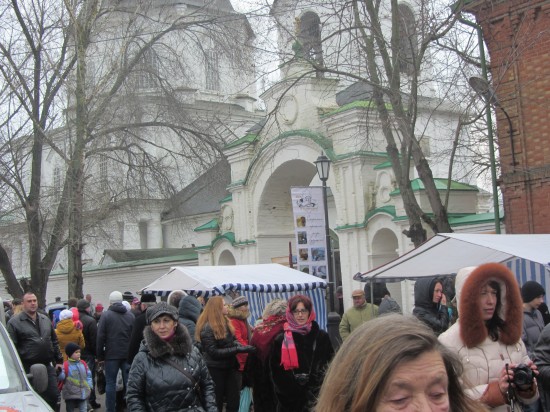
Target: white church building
<point>240,211</point>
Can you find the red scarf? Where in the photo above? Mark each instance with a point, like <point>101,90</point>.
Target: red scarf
<point>289,356</point>
<point>264,333</point>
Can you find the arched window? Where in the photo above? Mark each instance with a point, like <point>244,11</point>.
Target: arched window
<point>309,37</point>
<point>408,42</point>
<point>212,70</point>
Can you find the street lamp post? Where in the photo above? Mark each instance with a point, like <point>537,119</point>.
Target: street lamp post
<point>323,168</point>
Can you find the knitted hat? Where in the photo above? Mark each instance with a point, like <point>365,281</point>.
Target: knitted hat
<point>239,301</point>
<point>65,314</point>
<point>71,348</point>
<point>99,307</point>
<point>531,290</point>
<point>115,296</point>
<point>161,308</point>
<point>128,296</point>
<point>83,304</point>
<point>148,298</point>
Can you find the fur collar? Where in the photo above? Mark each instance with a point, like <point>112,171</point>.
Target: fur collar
<point>180,344</point>
<point>472,328</point>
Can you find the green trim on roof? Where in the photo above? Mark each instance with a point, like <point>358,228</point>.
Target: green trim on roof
<point>384,165</point>
<point>141,262</point>
<point>229,236</point>
<point>358,104</point>
<point>226,199</point>
<point>390,210</point>
<point>211,225</point>
<point>440,184</point>
<point>246,139</point>
<point>473,219</point>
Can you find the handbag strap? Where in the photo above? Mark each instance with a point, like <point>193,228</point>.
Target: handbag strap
<point>194,383</point>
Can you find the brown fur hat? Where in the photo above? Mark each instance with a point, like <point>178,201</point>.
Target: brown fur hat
<point>472,327</point>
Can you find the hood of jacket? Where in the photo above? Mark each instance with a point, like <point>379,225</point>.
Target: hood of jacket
<point>424,292</point>
<point>181,344</point>
<point>190,308</point>
<point>65,326</point>
<point>468,286</point>
<point>118,307</point>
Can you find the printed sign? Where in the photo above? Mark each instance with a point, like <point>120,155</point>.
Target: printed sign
<point>309,226</point>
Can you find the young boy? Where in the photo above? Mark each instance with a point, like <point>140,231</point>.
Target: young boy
<point>76,378</point>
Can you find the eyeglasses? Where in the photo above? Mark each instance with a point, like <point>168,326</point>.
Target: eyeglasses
<point>300,312</point>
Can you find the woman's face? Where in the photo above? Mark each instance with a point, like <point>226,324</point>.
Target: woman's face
<point>487,301</point>
<point>417,385</point>
<point>163,326</point>
<point>225,309</point>
<point>301,314</point>
<point>438,292</point>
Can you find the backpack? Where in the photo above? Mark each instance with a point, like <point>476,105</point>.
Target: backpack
<point>66,370</point>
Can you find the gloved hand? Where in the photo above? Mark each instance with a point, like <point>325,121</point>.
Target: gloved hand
<point>246,349</point>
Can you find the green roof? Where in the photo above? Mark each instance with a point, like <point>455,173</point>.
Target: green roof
<point>472,219</point>
<point>358,104</point>
<point>384,165</point>
<point>440,184</point>
<point>212,225</point>
<point>230,236</point>
<point>226,199</point>
<point>246,139</point>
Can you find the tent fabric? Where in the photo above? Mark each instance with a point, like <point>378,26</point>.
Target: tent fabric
<point>444,254</point>
<point>259,283</point>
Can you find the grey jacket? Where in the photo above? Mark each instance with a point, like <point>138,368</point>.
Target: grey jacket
<point>533,325</point>
<point>189,312</point>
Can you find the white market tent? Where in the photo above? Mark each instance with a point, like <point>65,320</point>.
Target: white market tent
<point>259,283</point>
<point>528,256</point>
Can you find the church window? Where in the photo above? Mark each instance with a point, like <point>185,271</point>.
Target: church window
<point>212,70</point>
<point>146,72</point>
<point>103,173</point>
<point>310,37</point>
<point>408,43</point>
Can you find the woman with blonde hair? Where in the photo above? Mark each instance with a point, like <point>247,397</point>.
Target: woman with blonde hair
<point>220,347</point>
<point>394,363</point>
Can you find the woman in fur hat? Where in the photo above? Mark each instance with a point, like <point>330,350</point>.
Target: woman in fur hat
<point>168,373</point>
<point>487,336</point>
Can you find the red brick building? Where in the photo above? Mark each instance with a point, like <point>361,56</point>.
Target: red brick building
<point>517,34</point>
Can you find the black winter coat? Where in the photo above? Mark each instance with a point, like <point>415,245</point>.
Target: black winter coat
<point>137,336</point>
<point>291,396</point>
<point>156,386</point>
<point>219,353</point>
<point>542,360</point>
<point>433,315</point>
<point>113,333</point>
<point>34,347</point>
<point>89,330</point>
<point>189,312</point>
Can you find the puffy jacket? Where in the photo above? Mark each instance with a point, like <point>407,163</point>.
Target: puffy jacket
<point>219,353</point>
<point>137,336</point>
<point>482,358</point>
<point>113,333</point>
<point>542,360</point>
<point>290,395</point>
<point>189,312</point>
<point>89,330</point>
<point>78,382</point>
<point>34,347</point>
<point>434,315</point>
<point>155,385</point>
<point>533,324</point>
<point>67,332</point>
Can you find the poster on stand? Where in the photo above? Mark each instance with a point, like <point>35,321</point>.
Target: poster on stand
<point>309,226</point>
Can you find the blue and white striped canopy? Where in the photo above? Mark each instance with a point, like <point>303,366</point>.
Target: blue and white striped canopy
<point>259,283</point>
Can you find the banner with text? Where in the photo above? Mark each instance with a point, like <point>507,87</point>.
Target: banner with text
<point>309,225</point>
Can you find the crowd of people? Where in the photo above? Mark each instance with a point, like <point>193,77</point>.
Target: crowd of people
<point>480,344</point>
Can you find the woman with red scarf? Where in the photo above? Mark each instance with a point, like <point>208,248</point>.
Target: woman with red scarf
<point>299,357</point>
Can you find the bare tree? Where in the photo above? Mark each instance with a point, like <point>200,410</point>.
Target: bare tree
<point>103,83</point>
<point>394,50</point>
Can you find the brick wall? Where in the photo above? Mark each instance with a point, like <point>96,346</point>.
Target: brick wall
<point>517,34</point>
